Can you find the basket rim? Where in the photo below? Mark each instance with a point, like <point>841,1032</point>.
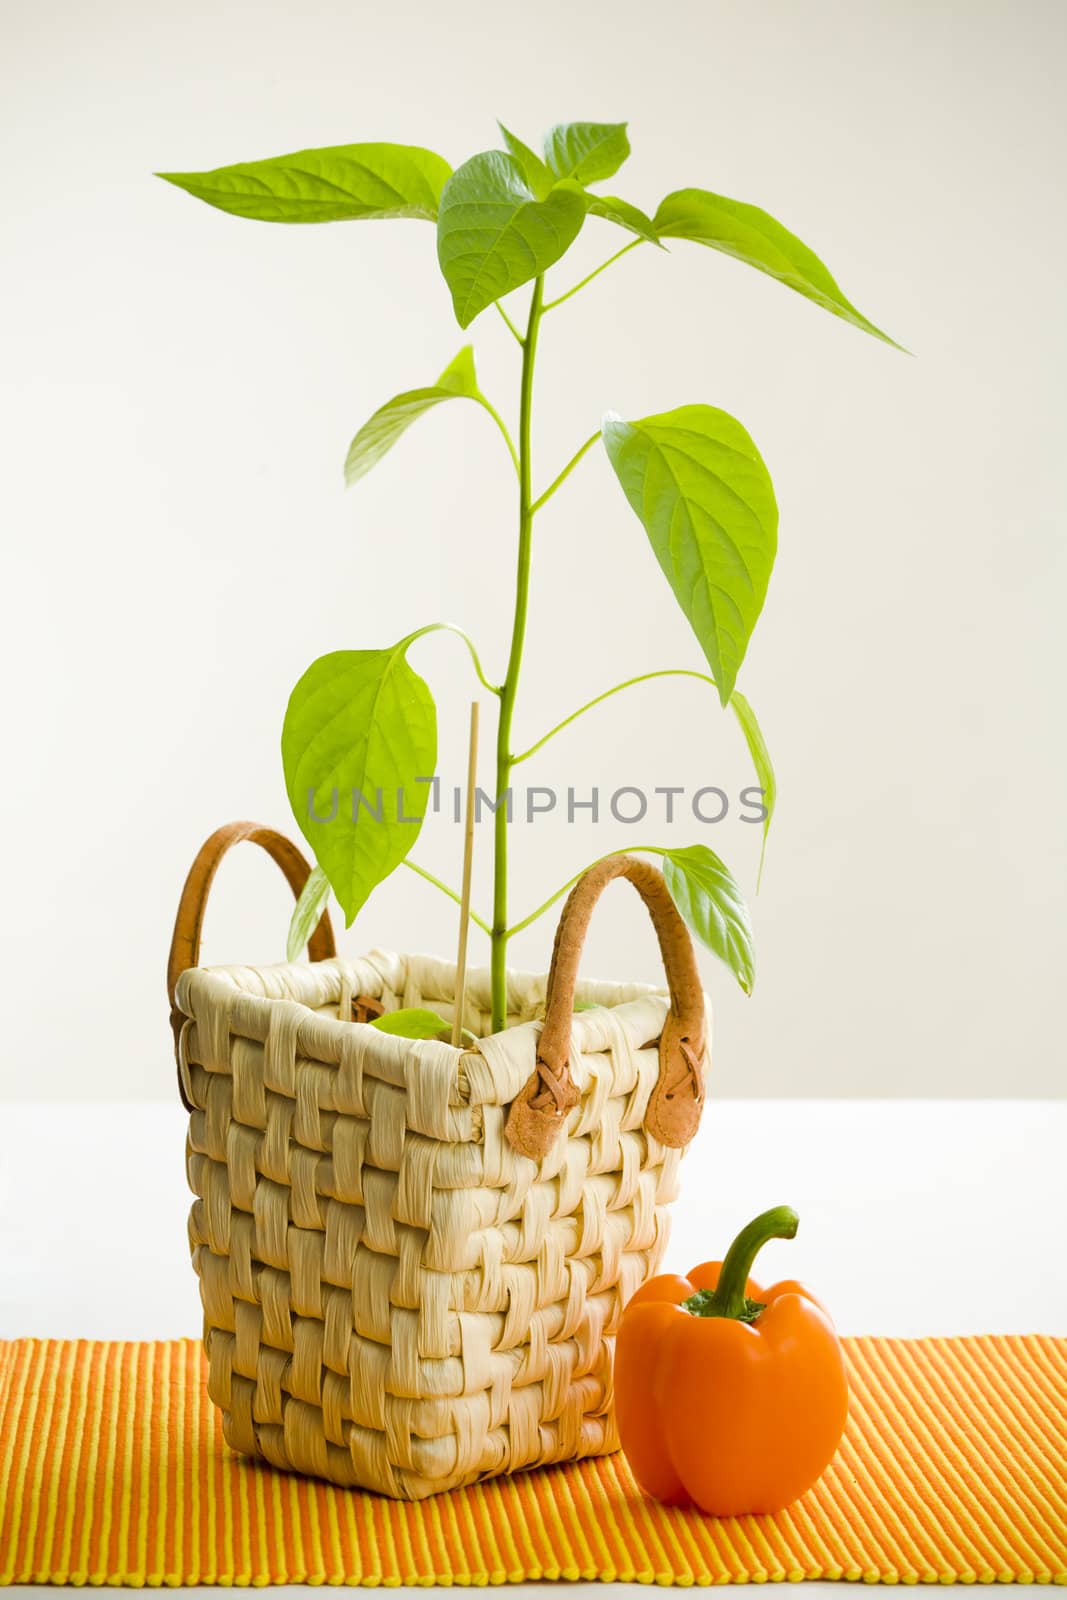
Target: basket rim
<point>381,970</point>
<point>631,1015</point>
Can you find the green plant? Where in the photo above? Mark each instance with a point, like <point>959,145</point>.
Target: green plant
<point>363,722</point>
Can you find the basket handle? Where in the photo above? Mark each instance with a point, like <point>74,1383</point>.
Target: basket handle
<point>188,924</point>
<point>674,1107</point>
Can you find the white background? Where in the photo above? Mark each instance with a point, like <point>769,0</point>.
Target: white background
<point>915,1219</point>
<point>179,389</point>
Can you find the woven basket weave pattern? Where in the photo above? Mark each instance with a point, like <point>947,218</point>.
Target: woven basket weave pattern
<point>393,1297</point>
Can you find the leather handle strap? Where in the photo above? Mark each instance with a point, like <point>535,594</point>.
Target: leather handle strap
<point>188,924</point>
<point>674,1107</point>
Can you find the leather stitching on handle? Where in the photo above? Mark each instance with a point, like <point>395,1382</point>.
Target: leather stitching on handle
<point>677,1099</point>
<point>188,924</point>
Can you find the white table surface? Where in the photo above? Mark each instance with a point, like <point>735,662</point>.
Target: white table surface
<point>916,1216</point>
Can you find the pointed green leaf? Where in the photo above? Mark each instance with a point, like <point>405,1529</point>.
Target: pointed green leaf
<point>460,376</point>
<point>306,913</point>
<point>586,151</point>
<point>493,235</point>
<point>761,760</point>
<point>624,215</point>
<point>539,177</point>
<point>706,894</point>
<point>699,486</point>
<point>360,731</point>
<point>384,428</point>
<point>753,236</point>
<point>413,1022</point>
<point>337,184</point>
<point>416,1023</point>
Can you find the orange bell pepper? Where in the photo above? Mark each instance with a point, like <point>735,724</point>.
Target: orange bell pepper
<point>728,1395</point>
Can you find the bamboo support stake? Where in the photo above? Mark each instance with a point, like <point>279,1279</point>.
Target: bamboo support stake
<point>465,889</point>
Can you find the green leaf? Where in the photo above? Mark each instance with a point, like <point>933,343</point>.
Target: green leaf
<point>413,1023</point>
<point>360,731</point>
<point>624,215</point>
<point>493,234</point>
<point>753,236</point>
<point>379,434</point>
<point>761,760</point>
<point>537,175</point>
<point>707,503</point>
<point>586,151</point>
<point>337,184</point>
<point>309,907</point>
<point>706,894</point>
<point>417,1023</point>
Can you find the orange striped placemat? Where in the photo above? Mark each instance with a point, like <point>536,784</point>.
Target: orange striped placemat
<point>113,1470</point>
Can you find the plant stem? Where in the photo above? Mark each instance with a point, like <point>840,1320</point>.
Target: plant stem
<point>737,703</point>
<point>645,677</point>
<point>499,935</point>
<point>502,425</point>
<point>603,267</point>
<point>728,1299</point>
<point>631,849</point>
<point>413,866</point>
<point>516,335</point>
<point>565,474</point>
<point>525,923</point>
<point>460,633</point>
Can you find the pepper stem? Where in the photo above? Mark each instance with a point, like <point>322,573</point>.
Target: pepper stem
<point>729,1300</point>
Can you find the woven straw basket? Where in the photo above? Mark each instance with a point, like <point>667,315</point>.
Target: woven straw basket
<point>412,1257</point>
